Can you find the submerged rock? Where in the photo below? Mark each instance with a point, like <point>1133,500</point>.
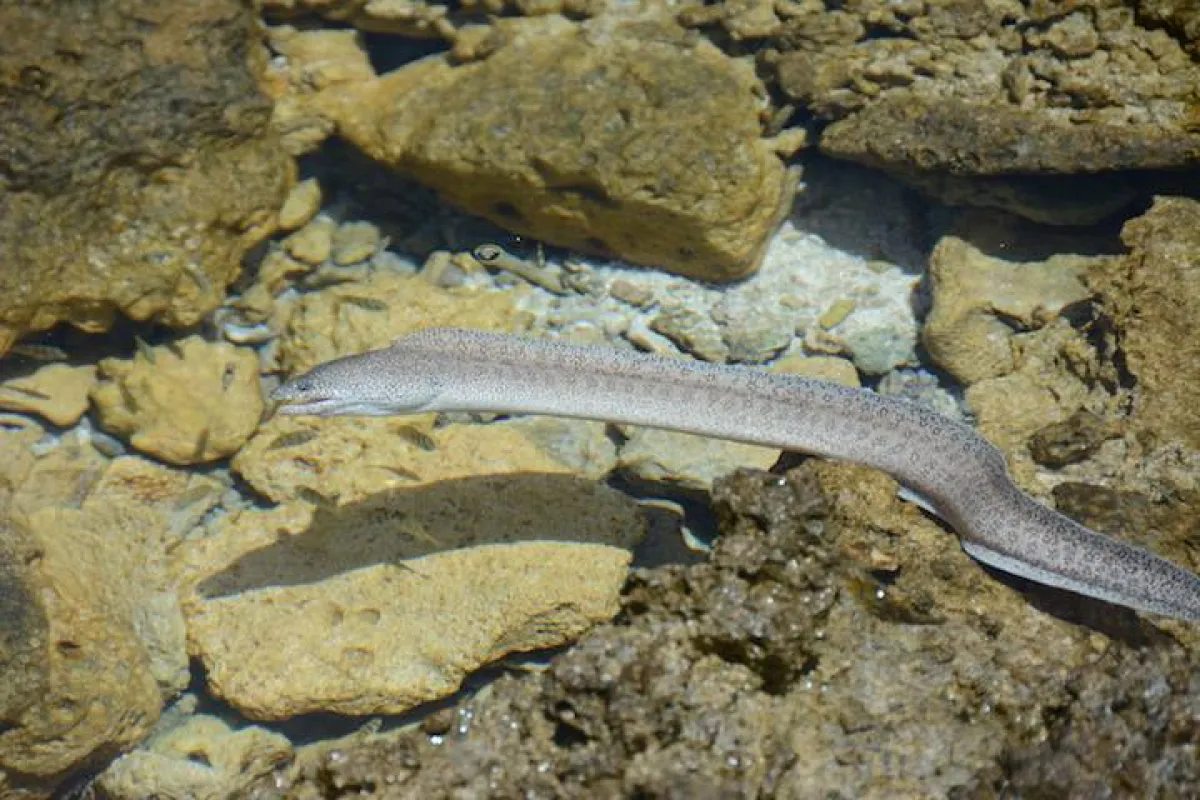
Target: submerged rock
<point>188,402</point>
<point>91,638</point>
<point>632,140</point>
<point>138,168</point>
<point>1042,109</point>
<point>1153,297</point>
<point>378,606</point>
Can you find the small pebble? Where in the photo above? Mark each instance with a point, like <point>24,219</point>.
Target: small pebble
<point>354,242</point>
<point>312,244</point>
<point>301,205</point>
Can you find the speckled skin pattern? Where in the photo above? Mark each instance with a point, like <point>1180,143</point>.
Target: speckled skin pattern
<point>960,474</point>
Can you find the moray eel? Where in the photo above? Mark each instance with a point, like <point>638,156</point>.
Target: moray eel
<point>958,474</point>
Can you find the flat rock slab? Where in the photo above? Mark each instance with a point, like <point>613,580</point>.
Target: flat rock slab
<point>379,607</point>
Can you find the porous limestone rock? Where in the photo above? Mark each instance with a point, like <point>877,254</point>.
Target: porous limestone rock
<point>138,167</point>
<point>91,635</point>
<point>302,204</point>
<point>187,402</point>
<point>1153,297</point>
<point>203,758</point>
<point>55,392</point>
<point>981,298</point>
<point>1028,107</point>
<point>306,62</point>
<point>313,243</point>
<point>681,459</point>
<point>1055,372</point>
<point>380,605</point>
<point>368,314</point>
<point>836,643</point>
<point>345,459</point>
<point>631,139</point>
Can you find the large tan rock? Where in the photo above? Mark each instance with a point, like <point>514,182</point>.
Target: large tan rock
<point>186,403</point>
<point>377,606</point>
<point>626,139</point>
<point>91,633</point>
<point>137,165</point>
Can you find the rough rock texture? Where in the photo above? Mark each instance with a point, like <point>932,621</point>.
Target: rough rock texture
<point>406,17</point>
<point>378,606</point>
<point>92,637</point>
<point>201,759</point>
<point>136,168</point>
<point>304,63</point>
<point>981,300</point>
<point>1054,374</point>
<point>302,204</point>
<point>637,141</point>
<point>1153,298</point>
<point>188,402</point>
<point>56,392</point>
<point>345,459</point>
<point>966,99</point>
<point>372,312</point>
<point>834,646</point>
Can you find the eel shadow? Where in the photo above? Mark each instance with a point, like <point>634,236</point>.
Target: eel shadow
<point>403,524</point>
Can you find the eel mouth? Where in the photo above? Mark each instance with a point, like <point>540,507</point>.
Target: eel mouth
<point>313,406</point>
<point>291,399</point>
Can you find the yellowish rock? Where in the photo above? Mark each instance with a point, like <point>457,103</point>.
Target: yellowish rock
<point>345,459</point>
<point>686,460</point>
<point>311,61</point>
<point>977,297</point>
<point>354,242</point>
<point>152,219</point>
<point>1153,296</point>
<point>364,642</point>
<point>634,140</point>
<point>313,243</point>
<point>378,606</point>
<point>302,204</point>
<point>1038,392</point>
<point>351,318</point>
<point>91,632</point>
<point>56,392</point>
<point>186,403</point>
<point>202,759</point>
<point>825,368</point>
